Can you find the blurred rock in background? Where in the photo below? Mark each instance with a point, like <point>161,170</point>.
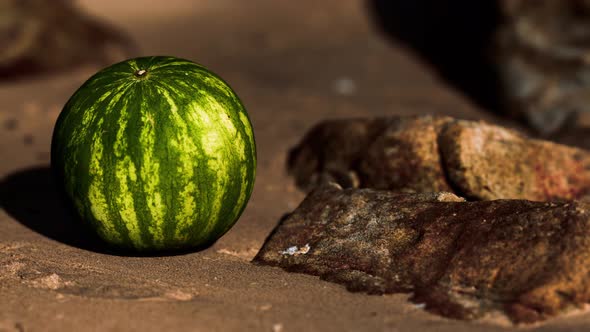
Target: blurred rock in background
<point>41,36</point>
<point>526,59</point>
<point>543,55</point>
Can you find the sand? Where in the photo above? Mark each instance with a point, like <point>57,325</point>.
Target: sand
<point>293,64</point>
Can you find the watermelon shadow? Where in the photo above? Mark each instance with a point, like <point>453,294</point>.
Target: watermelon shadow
<point>32,197</point>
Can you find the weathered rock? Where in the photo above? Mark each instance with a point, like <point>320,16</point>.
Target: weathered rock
<point>542,55</point>
<point>489,162</point>
<point>398,153</point>
<point>526,59</point>
<point>431,154</point>
<point>462,259</point>
<point>405,156</point>
<point>332,150</point>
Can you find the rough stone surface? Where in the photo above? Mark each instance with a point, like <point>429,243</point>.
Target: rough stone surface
<point>489,162</point>
<point>405,156</point>
<point>339,145</point>
<point>431,154</point>
<point>542,55</point>
<point>462,259</point>
<point>398,153</point>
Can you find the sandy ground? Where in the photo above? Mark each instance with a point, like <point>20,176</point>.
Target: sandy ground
<point>293,64</point>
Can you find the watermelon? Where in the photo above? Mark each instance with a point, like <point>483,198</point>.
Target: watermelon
<point>155,153</point>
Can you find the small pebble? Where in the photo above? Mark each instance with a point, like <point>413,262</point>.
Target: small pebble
<point>277,327</point>
<point>11,124</point>
<point>28,139</point>
<point>344,86</point>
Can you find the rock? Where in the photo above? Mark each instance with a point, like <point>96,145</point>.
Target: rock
<point>526,59</point>
<point>432,154</point>
<point>40,36</point>
<point>488,162</point>
<point>542,56</point>
<point>464,260</point>
<point>405,156</point>
<point>331,150</point>
<point>398,153</point>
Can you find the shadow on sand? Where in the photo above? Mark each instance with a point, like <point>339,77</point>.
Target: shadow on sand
<point>454,36</point>
<point>32,197</point>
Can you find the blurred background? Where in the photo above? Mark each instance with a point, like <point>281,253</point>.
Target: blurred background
<point>513,58</point>
<point>527,60</point>
<point>293,64</point>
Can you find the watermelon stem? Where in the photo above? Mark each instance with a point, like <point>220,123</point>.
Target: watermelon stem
<point>140,73</point>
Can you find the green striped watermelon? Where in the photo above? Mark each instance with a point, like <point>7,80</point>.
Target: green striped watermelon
<point>156,153</point>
